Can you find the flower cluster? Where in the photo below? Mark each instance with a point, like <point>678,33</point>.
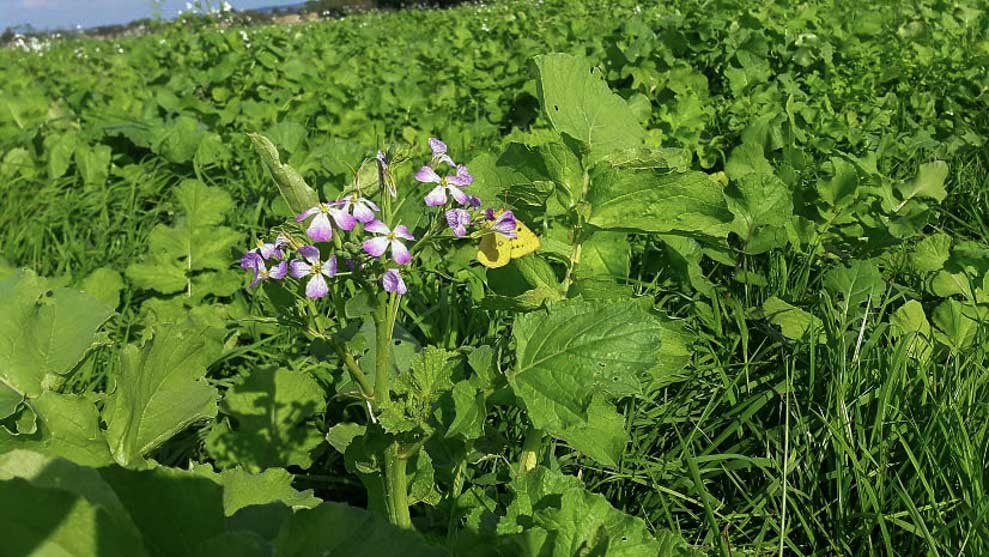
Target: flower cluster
<point>369,240</point>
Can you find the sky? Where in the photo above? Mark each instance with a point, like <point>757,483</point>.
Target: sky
<point>66,14</point>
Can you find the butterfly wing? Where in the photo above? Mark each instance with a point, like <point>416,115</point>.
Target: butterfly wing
<point>525,242</point>
<point>494,251</point>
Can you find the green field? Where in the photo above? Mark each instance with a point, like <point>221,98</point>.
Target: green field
<point>755,323</point>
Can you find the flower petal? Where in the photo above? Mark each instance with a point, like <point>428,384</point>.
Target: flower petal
<point>320,229</point>
<point>330,267</point>
<point>376,246</point>
<point>402,232</point>
<point>251,260</point>
<point>400,253</point>
<point>300,268</point>
<point>363,212</point>
<point>344,220</point>
<point>310,253</point>
<point>316,288</point>
<point>436,197</point>
<point>392,282</point>
<point>279,271</point>
<point>267,251</point>
<point>377,227</point>
<point>505,225</point>
<point>458,194</point>
<point>428,175</point>
<point>306,214</point>
<point>437,146</point>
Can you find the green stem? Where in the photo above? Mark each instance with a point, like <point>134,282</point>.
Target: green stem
<point>395,480</point>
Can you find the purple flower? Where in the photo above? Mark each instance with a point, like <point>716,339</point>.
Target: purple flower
<point>255,262</point>
<point>376,246</point>
<point>453,183</point>
<point>392,282</point>
<point>458,219</point>
<point>316,287</point>
<point>474,201</point>
<point>439,151</point>
<point>503,224</point>
<point>320,229</point>
<point>363,208</point>
<point>270,250</point>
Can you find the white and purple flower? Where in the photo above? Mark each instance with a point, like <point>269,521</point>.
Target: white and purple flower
<point>503,224</point>
<point>451,184</point>
<point>439,152</point>
<point>392,282</point>
<point>319,270</point>
<point>458,220</point>
<point>362,208</point>
<point>255,262</point>
<point>320,229</point>
<point>386,238</point>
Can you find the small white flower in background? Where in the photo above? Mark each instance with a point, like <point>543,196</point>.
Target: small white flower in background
<point>226,7</point>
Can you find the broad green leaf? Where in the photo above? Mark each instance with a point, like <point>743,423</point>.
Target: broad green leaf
<point>93,163</point>
<point>762,206</point>
<point>270,410</point>
<point>856,284</point>
<point>160,390</point>
<point>931,253</point>
<point>470,412</point>
<point>59,149</point>
<point>9,400</point>
<point>67,426</point>
<point>338,529</point>
<point>929,183</point>
<point>292,187</point>
<point>909,320</point>
<point>574,350</point>
<point>794,322</point>
<point>578,102</point>
<point>242,489</point>
<point>44,332</point>
<point>747,158</point>
<point>656,201</point>
<point>604,254</point>
<point>603,436</point>
<point>105,285</point>
<point>194,254</point>
<point>956,324</point>
<point>52,521</point>
<point>841,189</point>
<point>342,435</point>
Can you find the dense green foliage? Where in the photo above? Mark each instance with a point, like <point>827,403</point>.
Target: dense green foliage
<point>766,223</point>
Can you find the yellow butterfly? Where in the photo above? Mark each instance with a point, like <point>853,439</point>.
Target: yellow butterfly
<point>496,250</point>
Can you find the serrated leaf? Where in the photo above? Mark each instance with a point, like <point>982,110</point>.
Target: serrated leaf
<point>44,331</point>
<point>931,253</point>
<point>470,412</point>
<point>606,254</point>
<point>929,183</point>
<point>856,284</point>
<point>603,436</point>
<point>243,489</point>
<point>160,390</point>
<point>762,206</point>
<point>271,409</point>
<point>578,102</point>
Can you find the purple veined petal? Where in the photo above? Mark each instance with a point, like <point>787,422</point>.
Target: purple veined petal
<point>320,228</point>
<point>369,203</point>
<point>446,158</point>
<point>474,201</point>
<point>392,282</point>
<point>344,220</point>
<point>363,212</point>
<point>437,146</point>
<point>310,254</point>
<point>377,227</point>
<point>307,213</point>
<point>505,225</point>
<point>251,260</point>
<point>279,271</point>
<point>260,273</point>
<point>437,197</point>
<point>376,246</point>
<point>316,287</point>
<point>401,231</point>
<point>300,268</point>
<point>457,217</point>
<point>462,181</point>
<point>400,253</point>
<point>330,267</point>
<point>464,175</point>
<point>458,194</point>
<point>428,175</point>
<point>267,251</point>
<point>459,231</point>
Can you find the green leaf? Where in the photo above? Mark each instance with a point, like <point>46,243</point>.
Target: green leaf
<point>292,187</point>
<point>93,164</point>
<point>105,285</point>
<point>956,324</point>
<point>342,435</point>
<point>747,158</point>
<point>9,400</point>
<point>604,253</point>
<point>578,102</point>
<point>794,322</point>
<point>243,489</point>
<point>194,255</point>
<point>656,201</point>
<point>909,320</point>
<point>603,436</point>
<point>337,529</point>
<point>44,332</point>
<point>271,409</point>
<point>470,412</point>
<point>929,183</point>
<point>160,390</point>
<point>762,206</point>
<point>931,253</point>
<point>576,349</point>
<point>856,284</point>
